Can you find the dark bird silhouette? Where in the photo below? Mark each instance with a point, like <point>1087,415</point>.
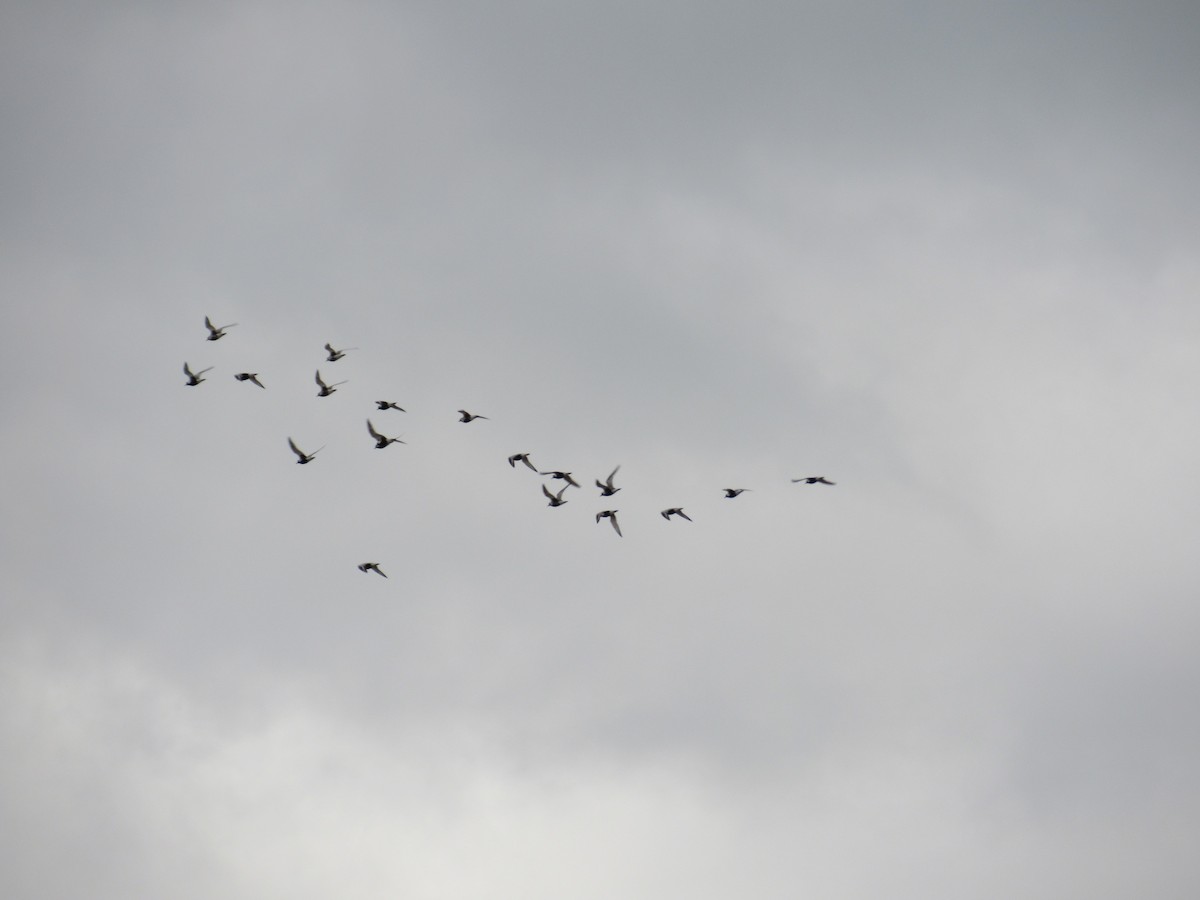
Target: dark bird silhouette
<point>813,479</point>
<point>611,515</point>
<point>380,440</point>
<point>606,486</point>
<point>250,376</point>
<point>555,499</point>
<point>193,378</point>
<point>562,476</point>
<point>521,457</point>
<point>371,567</point>
<point>335,355</point>
<point>305,458</point>
<point>465,416</point>
<point>326,389</point>
<point>387,404</point>
<point>733,492</point>
<point>675,511</point>
<point>215,333</point>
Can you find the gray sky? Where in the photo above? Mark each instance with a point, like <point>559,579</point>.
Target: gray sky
<point>943,253</point>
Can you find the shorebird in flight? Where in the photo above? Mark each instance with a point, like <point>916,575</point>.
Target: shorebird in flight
<point>388,404</point>
<point>521,457</point>
<point>250,376</point>
<point>305,458</point>
<point>215,333</point>
<point>193,378</point>
<point>555,499</point>
<point>464,416</point>
<point>813,479</point>
<point>371,567</point>
<point>675,511</point>
<point>380,440</point>
<point>335,355</point>
<point>606,486</point>
<point>326,389</point>
<point>562,476</point>
<point>611,515</point>
<point>733,492</point>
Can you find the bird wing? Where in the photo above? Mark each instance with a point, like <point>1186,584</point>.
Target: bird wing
<point>329,348</point>
<point>617,528</point>
<point>208,324</point>
<point>550,495</point>
<point>570,480</point>
<point>525,459</point>
<point>295,449</point>
<point>371,428</point>
<point>187,371</point>
<point>613,475</point>
<point>685,515</point>
<point>319,381</point>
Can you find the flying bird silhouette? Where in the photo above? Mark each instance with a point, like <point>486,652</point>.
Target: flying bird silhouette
<point>465,416</point>
<point>371,567</point>
<point>611,515</point>
<point>193,378</point>
<point>305,458</point>
<point>250,376</point>
<point>326,389</point>
<point>606,486</point>
<point>521,457</point>
<point>555,499</point>
<point>813,479</point>
<point>733,492</point>
<point>380,440</point>
<point>387,404</point>
<point>215,333</point>
<point>335,355</point>
<point>675,511</point>
<point>562,476</point>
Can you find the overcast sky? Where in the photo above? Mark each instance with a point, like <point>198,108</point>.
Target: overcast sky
<point>943,253</point>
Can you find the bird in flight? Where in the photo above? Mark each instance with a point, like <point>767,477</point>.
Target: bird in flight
<point>250,376</point>
<point>371,567</point>
<point>215,333</point>
<point>606,486</point>
<point>193,378</point>
<point>465,416</point>
<point>562,476</point>
<point>326,389</point>
<point>675,511</point>
<point>380,440</point>
<point>521,457</point>
<point>388,404</point>
<point>611,515</point>
<point>813,479</point>
<point>555,499</point>
<point>335,355</point>
<point>733,492</point>
<point>305,458</point>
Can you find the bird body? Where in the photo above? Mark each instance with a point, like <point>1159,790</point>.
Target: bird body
<point>326,389</point>
<point>371,567</point>
<point>813,479</point>
<point>606,486</point>
<point>193,378</point>
<point>675,511</point>
<point>250,376</point>
<point>562,476</point>
<point>464,416</point>
<point>304,458</point>
<point>380,440</point>
<point>611,515</point>
<point>521,457</point>
<point>215,333</point>
<point>335,355</point>
<point>555,499</point>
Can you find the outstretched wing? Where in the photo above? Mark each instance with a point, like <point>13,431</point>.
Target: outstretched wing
<point>295,449</point>
<point>375,434</point>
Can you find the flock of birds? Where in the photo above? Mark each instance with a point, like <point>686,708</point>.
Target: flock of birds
<point>324,389</point>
